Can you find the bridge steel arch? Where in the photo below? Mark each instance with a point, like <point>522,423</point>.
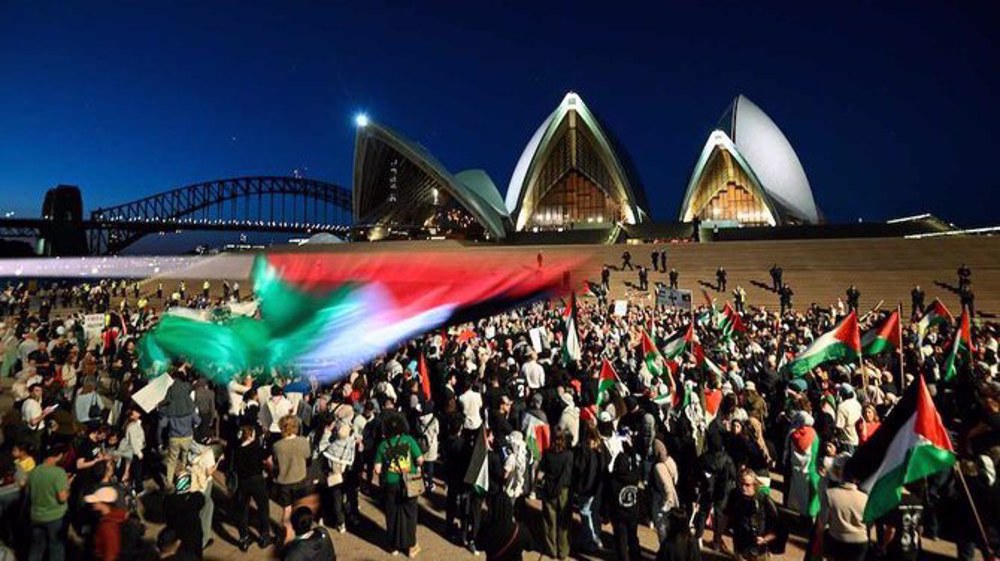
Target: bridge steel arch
<point>285,203</point>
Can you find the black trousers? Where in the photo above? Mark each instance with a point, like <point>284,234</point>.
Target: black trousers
<point>626,539</point>
<point>334,498</point>
<point>474,520</point>
<point>400,518</point>
<point>254,488</point>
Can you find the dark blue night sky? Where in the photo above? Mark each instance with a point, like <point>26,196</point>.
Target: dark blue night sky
<point>892,108</point>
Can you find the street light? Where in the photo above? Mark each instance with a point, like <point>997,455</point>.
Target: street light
<point>361,120</point>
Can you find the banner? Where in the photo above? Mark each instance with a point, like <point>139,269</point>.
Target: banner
<point>674,298</point>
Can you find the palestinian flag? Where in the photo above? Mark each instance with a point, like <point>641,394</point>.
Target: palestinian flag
<point>730,321</point>
<point>805,441</point>
<point>935,314</point>
<point>961,347</point>
<point>536,435</point>
<point>325,313</point>
<point>425,376</point>
<point>841,343</point>
<point>652,357</point>
<point>710,315</point>
<point>606,382</point>
<point>478,472</point>
<point>911,444</point>
<point>679,342</point>
<point>571,342</point>
<point>886,336</point>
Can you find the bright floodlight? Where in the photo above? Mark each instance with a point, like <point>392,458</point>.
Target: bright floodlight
<point>361,120</point>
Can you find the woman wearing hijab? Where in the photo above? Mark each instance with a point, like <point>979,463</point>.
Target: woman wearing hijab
<point>799,455</point>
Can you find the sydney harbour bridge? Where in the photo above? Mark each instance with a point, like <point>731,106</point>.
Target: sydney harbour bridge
<point>243,204</point>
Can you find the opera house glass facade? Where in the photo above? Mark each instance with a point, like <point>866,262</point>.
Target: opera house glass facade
<point>748,175</point>
<point>572,175</point>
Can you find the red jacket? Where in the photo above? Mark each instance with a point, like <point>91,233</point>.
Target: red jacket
<point>108,536</point>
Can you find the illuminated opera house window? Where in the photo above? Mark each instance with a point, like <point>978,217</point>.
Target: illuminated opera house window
<point>748,175</point>
<point>571,175</point>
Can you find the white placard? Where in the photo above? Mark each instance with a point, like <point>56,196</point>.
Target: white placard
<point>621,307</point>
<point>154,392</point>
<point>491,332</point>
<point>92,325</point>
<point>536,338</point>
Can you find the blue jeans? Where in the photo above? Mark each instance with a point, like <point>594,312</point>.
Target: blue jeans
<point>47,536</point>
<point>591,523</point>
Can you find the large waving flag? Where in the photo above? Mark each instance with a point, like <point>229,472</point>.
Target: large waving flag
<point>961,347</point>
<point>911,444</point>
<point>843,342</point>
<point>325,313</point>
<point>882,337</point>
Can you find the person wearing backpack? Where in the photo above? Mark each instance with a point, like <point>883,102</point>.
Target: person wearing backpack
<point>623,502</point>
<point>311,542</point>
<point>753,517</point>
<point>398,454</point>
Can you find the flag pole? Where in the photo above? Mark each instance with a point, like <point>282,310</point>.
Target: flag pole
<point>899,347</point>
<point>975,512</point>
<point>861,354</point>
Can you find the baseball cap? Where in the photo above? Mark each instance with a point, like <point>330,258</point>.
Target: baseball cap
<point>102,495</point>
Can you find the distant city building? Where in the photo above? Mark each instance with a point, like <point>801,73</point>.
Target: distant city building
<point>748,174</point>
<point>573,174</point>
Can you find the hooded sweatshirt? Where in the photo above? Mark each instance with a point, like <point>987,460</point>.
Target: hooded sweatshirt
<point>108,535</point>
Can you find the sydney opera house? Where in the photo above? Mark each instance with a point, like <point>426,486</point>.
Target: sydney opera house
<point>574,175</point>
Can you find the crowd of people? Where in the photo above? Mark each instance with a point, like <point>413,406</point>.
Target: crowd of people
<point>496,419</point>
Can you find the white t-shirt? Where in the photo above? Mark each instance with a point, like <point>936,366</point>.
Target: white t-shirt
<point>278,409</point>
<point>534,374</point>
<point>472,404</point>
<point>848,414</point>
<point>29,410</point>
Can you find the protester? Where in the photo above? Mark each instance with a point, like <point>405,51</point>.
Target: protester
<point>311,543</point>
<point>48,490</point>
<point>553,478</point>
<point>398,455</point>
<point>108,536</point>
<point>677,427</point>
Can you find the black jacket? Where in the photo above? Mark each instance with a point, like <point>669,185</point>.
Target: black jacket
<point>316,547</point>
